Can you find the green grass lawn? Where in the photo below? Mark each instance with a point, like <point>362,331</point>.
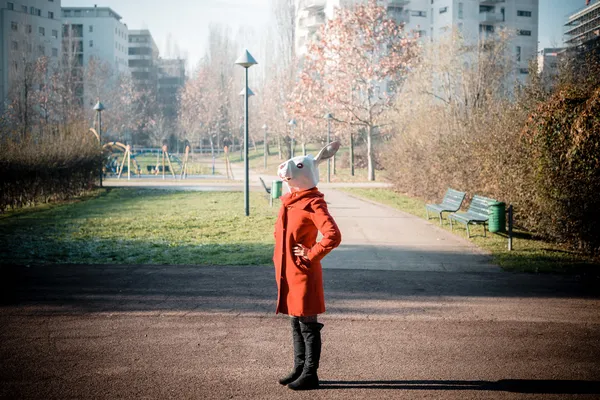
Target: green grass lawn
<point>529,254</point>
<point>256,160</point>
<point>141,226</point>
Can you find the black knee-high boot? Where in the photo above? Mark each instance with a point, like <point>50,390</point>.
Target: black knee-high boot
<point>311,332</point>
<point>299,353</point>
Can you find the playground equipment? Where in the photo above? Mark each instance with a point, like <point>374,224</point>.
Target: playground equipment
<point>227,163</point>
<point>165,156</point>
<point>126,149</point>
<point>184,164</point>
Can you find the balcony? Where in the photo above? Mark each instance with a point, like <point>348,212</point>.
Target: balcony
<point>312,22</point>
<point>491,2</point>
<point>397,3</point>
<point>314,4</point>
<point>488,17</point>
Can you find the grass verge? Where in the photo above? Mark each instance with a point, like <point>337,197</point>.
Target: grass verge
<point>141,226</point>
<point>257,164</point>
<point>529,254</point>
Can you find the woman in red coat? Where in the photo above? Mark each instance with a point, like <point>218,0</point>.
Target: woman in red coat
<point>297,260</point>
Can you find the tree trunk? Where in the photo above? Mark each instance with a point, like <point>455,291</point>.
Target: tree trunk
<point>268,148</point>
<point>370,165</point>
<point>351,154</point>
<point>304,148</point>
<point>279,148</point>
<point>333,165</point>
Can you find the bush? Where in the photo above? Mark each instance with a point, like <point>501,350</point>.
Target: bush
<point>564,134</point>
<point>52,166</point>
<point>538,151</point>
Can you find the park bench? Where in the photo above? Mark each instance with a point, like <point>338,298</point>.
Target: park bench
<point>451,202</point>
<point>478,213</point>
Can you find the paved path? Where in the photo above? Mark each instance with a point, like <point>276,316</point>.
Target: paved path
<point>413,312</point>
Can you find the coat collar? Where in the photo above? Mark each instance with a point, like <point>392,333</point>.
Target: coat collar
<point>301,198</point>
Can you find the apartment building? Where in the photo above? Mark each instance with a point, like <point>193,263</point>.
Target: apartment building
<point>143,59</point>
<point>99,34</point>
<point>434,19</point>
<point>29,29</point>
<point>171,78</point>
<point>582,28</point>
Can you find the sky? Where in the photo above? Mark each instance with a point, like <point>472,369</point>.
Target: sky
<point>187,21</point>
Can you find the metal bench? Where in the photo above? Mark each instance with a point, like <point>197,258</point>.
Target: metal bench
<point>451,202</point>
<point>478,213</point>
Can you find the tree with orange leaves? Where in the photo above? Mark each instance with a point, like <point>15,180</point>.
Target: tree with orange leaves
<point>355,69</point>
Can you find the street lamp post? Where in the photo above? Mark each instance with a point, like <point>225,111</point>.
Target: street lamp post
<point>265,145</point>
<point>328,117</point>
<point>250,94</point>
<point>246,61</point>
<point>292,123</point>
<point>99,107</point>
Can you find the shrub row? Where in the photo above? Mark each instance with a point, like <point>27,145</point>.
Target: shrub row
<point>48,167</point>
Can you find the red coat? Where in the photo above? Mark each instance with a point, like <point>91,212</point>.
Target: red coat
<point>300,281</point>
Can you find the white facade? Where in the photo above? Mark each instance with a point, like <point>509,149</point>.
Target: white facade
<point>104,36</point>
<point>434,19</point>
<point>29,29</point>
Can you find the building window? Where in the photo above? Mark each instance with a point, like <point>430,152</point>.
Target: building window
<point>38,12</point>
<point>521,13</point>
<point>460,10</point>
<point>29,28</point>
<point>54,33</point>
<point>67,13</point>
<point>24,9</point>
<point>10,6</point>
<point>41,50</point>
<point>518,53</point>
<point>91,43</point>
<point>523,71</point>
<point>14,26</point>
<point>415,13</point>
<point>77,13</point>
<point>523,32</point>
<point>50,15</point>
<point>15,45</point>
<point>422,33</point>
<point>32,10</point>
<point>443,10</point>
<point>42,31</point>
<point>54,52</point>
<point>91,28</point>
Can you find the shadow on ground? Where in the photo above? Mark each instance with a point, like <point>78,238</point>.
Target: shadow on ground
<point>504,385</point>
<point>251,289</point>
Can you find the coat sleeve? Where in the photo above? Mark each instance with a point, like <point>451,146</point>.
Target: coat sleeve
<point>325,223</point>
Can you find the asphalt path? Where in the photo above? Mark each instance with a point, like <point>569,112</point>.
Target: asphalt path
<point>412,312</point>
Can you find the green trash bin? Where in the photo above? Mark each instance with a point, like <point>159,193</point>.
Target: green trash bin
<point>497,221</point>
<point>276,189</point>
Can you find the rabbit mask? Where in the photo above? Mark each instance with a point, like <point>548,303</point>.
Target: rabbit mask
<point>302,172</point>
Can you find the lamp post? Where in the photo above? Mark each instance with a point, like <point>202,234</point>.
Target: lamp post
<point>328,117</point>
<point>99,107</point>
<point>292,124</point>
<point>250,94</point>
<point>246,61</point>
<point>265,145</point>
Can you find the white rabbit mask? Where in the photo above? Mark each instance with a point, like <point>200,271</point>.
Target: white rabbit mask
<point>302,172</point>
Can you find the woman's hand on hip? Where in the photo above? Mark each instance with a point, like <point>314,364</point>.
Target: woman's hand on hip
<point>301,251</point>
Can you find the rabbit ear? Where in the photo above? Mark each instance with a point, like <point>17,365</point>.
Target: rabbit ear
<point>327,152</point>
